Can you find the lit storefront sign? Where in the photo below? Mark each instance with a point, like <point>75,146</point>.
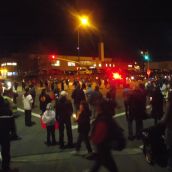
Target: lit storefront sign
<point>9,64</point>
<point>57,63</point>
<point>71,63</point>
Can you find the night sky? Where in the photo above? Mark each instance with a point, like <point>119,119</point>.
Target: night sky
<point>125,26</point>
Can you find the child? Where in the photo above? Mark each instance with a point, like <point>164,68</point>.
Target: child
<point>49,119</point>
<point>83,120</point>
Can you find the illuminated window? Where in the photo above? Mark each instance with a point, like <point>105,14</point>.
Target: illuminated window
<point>100,65</point>
<point>110,65</point>
<point>106,65</point>
<point>71,63</point>
<point>3,64</point>
<point>95,65</point>
<point>113,65</point>
<point>130,65</point>
<point>9,73</point>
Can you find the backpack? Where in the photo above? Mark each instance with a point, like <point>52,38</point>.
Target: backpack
<point>116,138</point>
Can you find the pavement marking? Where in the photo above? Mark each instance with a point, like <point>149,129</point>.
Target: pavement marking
<point>33,114</point>
<point>76,126</point>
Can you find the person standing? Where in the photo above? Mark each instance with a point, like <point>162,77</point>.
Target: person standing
<point>167,121</point>
<point>23,84</point>
<point>27,102</point>
<point>95,97</point>
<point>33,94</point>
<point>7,97</point>
<point>64,112</point>
<point>111,97</point>
<point>77,96</point>
<point>49,118</point>
<point>157,104</point>
<point>137,111</point>
<point>44,99</point>
<point>5,129</point>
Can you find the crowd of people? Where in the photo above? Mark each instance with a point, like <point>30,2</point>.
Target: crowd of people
<point>93,114</point>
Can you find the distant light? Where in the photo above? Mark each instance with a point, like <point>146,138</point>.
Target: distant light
<point>106,65</point>
<point>117,76</point>
<point>113,65</point>
<point>53,57</point>
<point>130,66</point>
<point>141,52</point>
<point>110,65</point>
<point>132,77</point>
<point>94,65</point>
<point>74,115</point>
<point>100,65</point>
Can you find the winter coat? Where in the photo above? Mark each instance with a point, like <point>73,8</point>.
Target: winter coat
<point>49,117</point>
<point>27,102</point>
<point>64,109</point>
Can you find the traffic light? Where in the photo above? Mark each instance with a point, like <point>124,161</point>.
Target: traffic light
<point>146,57</point>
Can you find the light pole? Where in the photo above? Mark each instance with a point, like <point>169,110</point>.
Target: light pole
<point>83,22</point>
<point>146,58</point>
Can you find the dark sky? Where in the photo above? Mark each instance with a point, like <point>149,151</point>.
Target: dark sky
<point>126,26</point>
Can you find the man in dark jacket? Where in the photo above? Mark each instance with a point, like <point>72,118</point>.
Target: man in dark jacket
<point>5,128</point>
<point>137,111</point>
<point>157,104</point>
<point>64,111</point>
<point>77,96</point>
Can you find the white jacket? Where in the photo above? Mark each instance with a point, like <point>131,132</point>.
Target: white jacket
<point>49,117</point>
<point>27,102</point>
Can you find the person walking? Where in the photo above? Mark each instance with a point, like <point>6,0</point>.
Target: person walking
<point>49,118</point>
<point>64,112</point>
<point>83,120</point>
<point>27,102</point>
<point>100,138</point>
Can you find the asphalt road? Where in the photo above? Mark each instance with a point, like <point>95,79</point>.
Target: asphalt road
<point>30,154</point>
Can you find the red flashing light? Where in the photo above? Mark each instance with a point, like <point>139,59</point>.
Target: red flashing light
<point>117,76</point>
<point>53,57</point>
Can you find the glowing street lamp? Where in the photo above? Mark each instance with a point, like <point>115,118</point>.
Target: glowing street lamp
<point>84,21</point>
